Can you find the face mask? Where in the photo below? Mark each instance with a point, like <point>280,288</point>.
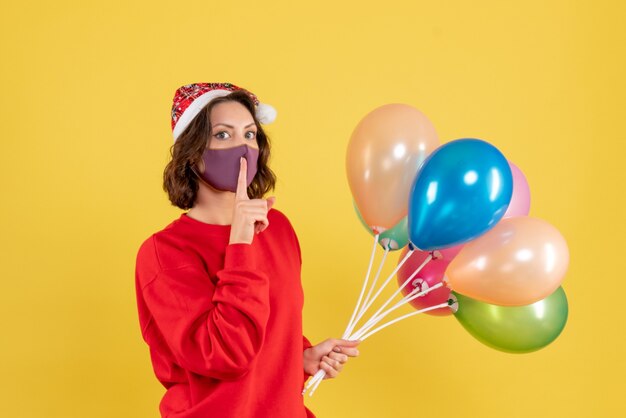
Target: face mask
<point>221,166</point>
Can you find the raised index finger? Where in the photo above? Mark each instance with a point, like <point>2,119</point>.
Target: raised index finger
<point>242,181</point>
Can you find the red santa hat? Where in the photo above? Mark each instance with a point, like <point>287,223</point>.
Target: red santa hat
<point>191,98</point>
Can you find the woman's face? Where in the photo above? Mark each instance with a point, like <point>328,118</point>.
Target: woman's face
<point>231,126</point>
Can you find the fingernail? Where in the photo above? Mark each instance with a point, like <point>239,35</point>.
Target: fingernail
<point>337,350</point>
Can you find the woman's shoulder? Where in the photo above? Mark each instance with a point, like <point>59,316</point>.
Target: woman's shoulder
<point>277,215</point>
<point>164,250</point>
<point>287,232</point>
<point>279,218</point>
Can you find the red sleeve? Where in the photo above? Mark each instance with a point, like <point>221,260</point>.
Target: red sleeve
<point>306,343</point>
<point>216,336</point>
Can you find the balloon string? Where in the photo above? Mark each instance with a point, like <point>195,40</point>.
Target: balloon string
<point>413,295</point>
<point>319,376</point>
<point>314,388</point>
<point>369,293</point>
<point>386,324</point>
<point>385,283</point>
<point>407,281</point>
<point>358,303</point>
<point>408,298</point>
<point>372,287</point>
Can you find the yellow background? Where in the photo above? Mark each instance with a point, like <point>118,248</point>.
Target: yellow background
<point>85,98</point>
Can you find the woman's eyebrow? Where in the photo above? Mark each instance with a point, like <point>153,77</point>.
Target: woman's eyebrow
<point>232,127</point>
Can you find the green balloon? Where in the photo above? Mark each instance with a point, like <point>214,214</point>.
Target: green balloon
<point>514,329</point>
<point>396,238</point>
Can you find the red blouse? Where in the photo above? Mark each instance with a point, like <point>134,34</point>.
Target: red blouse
<point>224,322</point>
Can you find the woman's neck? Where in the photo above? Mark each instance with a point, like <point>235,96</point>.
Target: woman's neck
<point>213,206</point>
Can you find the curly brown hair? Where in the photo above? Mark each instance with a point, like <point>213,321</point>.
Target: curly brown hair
<point>179,180</point>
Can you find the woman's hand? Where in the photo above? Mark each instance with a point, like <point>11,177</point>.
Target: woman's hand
<point>249,215</point>
<point>329,355</point>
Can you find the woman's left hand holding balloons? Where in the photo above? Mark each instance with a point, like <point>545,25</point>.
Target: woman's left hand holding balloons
<point>330,355</point>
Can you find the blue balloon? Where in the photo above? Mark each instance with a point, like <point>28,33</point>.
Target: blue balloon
<point>461,191</point>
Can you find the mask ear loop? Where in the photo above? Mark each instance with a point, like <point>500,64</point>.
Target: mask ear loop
<point>199,177</point>
<point>192,167</point>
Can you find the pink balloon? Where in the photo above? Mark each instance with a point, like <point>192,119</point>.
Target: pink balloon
<point>431,274</point>
<point>520,201</point>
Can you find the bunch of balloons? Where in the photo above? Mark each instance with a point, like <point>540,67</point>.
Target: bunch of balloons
<point>459,213</point>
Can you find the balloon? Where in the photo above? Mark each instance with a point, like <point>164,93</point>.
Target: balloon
<point>448,253</point>
<point>520,201</point>
<point>430,275</point>
<point>520,261</point>
<point>514,329</point>
<point>417,258</point>
<point>394,238</point>
<point>462,190</point>
<point>385,151</point>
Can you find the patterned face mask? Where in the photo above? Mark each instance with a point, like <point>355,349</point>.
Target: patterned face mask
<point>221,166</point>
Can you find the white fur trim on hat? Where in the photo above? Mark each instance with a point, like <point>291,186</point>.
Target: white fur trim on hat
<point>194,108</point>
<point>265,113</point>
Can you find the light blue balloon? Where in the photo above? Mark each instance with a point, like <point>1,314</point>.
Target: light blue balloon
<point>462,190</point>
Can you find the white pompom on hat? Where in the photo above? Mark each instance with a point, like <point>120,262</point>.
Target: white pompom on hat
<point>190,99</point>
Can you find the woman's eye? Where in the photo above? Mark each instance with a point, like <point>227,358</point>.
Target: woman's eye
<point>250,135</point>
<point>221,135</point>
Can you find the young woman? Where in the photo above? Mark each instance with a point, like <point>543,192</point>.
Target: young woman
<point>218,290</point>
